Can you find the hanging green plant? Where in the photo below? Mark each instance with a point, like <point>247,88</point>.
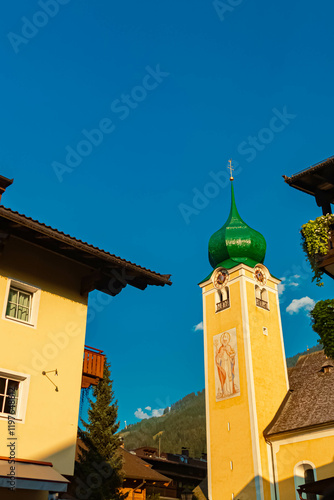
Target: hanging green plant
<point>316,235</point>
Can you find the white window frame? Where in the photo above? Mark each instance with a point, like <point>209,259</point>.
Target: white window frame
<point>299,474</point>
<point>219,294</point>
<point>24,380</point>
<point>35,299</point>
<point>262,294</point>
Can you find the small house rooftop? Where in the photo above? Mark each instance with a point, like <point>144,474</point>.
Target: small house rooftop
<point>309,402</point>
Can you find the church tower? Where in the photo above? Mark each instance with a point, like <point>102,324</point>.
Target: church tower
<point>245,369</point>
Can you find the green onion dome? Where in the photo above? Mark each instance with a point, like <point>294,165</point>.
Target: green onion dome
<point>235,242</point>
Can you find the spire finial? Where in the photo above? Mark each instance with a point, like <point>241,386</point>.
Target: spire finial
<point>230,169</point>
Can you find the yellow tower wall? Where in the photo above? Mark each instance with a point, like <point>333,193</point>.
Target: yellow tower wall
<point>268,367</point>
<point>49,430</point>
<point>233,413</point>
<point>239,461</point>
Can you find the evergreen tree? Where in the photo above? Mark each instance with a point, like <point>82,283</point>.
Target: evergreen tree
<point>322,316</point>
<point>98,472</point>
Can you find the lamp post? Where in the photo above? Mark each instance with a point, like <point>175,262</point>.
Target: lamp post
<point>186,495</point>
<point>158,436</point>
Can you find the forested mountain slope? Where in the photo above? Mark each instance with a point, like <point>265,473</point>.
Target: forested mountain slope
<point>182,425</point>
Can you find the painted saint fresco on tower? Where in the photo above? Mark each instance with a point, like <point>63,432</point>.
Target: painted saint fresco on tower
<point>226,365</point>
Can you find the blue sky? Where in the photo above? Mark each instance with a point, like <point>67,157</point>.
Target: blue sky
<point>176,89</point>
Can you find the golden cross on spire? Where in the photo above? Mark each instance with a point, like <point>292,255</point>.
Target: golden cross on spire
<point>230,169</point>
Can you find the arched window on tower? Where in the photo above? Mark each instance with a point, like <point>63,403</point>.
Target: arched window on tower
<point>261,297</point>
<point>304,473</point>
<point>222,299</point>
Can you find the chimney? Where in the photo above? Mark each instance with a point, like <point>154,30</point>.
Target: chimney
<point>185,452</point>
<point>4,183</point>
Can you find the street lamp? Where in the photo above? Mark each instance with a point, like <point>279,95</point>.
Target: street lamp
<point>186,495</point>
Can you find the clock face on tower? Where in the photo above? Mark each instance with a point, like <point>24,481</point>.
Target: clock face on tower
<point>220,277</point>
<point>260,274</point>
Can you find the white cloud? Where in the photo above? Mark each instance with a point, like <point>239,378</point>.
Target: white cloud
<point>158,413</point>
<point>139,413</point>
<point>290,281</point>
<point>198,327</point>
<point>305,303</point>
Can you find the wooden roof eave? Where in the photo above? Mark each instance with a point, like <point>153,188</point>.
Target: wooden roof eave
<point>108,267</point>
<point>316,180</point>
<point>316,169</point>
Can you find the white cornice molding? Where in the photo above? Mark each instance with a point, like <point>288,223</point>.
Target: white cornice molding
<point>207,397</point>
<point>237,268</point>
<point>298,435</point>
<point>245,278</point>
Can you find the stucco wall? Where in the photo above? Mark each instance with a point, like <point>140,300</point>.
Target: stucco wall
<point>49,430</point>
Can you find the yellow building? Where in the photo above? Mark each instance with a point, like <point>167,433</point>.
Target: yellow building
<point>255,448</point>
<point>45,278</point>
<point>302,433</point>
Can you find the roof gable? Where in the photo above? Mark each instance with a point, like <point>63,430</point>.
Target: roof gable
<point>310,400</point>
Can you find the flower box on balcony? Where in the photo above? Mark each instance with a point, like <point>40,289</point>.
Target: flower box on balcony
<point>318,239</point>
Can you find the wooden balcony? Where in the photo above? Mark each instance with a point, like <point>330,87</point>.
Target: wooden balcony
<point>93,363</point>
<point>165,492</point>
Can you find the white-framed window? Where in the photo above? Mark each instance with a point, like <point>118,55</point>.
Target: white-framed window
<point>305,472</point>
<point>14,388</point>
<point>21,303</point>
<point>222,299</point>
<point>261,297</point>
<point>9,394</point>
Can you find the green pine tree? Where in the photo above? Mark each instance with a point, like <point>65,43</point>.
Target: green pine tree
<point>322,316</point>
<point>98,472</point>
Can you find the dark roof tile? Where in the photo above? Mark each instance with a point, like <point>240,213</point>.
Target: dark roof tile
<point>310,401</point>
<point>136,468</point>
<point>35,225</point>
